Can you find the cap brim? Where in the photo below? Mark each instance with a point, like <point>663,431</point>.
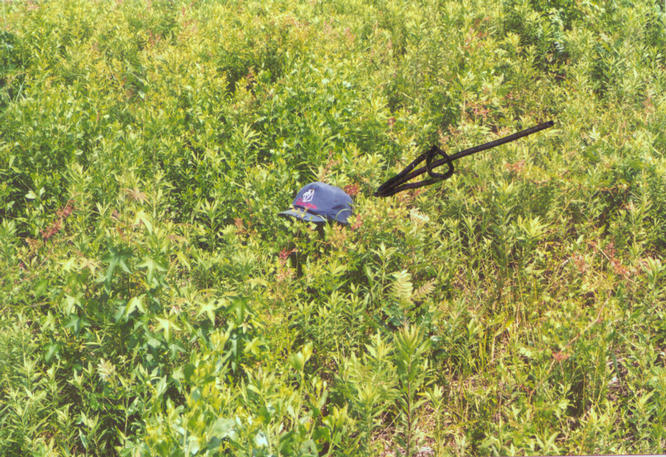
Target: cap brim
<point>343,216</point>
<point>303,215</point>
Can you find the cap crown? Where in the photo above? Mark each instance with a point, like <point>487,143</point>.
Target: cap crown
<point>324,200</point>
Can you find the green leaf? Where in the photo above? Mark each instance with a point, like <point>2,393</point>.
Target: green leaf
<point>133,304</point>
<point>222,428</point>
<point>153,268</point>
<point>166,326</point>
<point>52,351</point>
<point>141,216</point>
<point>117,258</point>
<point>209,309</point>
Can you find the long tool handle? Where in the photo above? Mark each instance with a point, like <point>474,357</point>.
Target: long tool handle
<point>492,144</point>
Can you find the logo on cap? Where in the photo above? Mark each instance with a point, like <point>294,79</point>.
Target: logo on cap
<point>308,196</point>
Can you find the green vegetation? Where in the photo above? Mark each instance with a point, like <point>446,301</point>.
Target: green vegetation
<point>154,304</point>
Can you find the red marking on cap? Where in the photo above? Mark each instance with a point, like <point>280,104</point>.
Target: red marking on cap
<point>305,204</point>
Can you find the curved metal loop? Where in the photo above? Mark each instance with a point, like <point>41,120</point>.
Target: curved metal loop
<point>435,150</point>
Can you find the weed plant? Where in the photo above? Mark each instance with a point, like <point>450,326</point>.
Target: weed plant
<point>155,305</point>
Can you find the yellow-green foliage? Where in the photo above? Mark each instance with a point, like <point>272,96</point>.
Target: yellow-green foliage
<point>155,305</point>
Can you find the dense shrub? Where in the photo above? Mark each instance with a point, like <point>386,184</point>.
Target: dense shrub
<point>154,303</point>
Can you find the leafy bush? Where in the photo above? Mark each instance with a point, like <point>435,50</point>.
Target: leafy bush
<point>155,304</point>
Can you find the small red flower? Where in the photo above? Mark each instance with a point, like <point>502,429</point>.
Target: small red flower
<point>285,253</point>
<point>560,356</point>
<point>351,189</point>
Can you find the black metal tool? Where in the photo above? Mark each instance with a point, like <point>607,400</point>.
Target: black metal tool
<point>398,183</point>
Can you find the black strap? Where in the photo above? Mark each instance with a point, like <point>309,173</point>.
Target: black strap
<point>398,183</point>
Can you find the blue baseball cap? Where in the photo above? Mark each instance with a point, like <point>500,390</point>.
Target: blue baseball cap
<point>320,202</point>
